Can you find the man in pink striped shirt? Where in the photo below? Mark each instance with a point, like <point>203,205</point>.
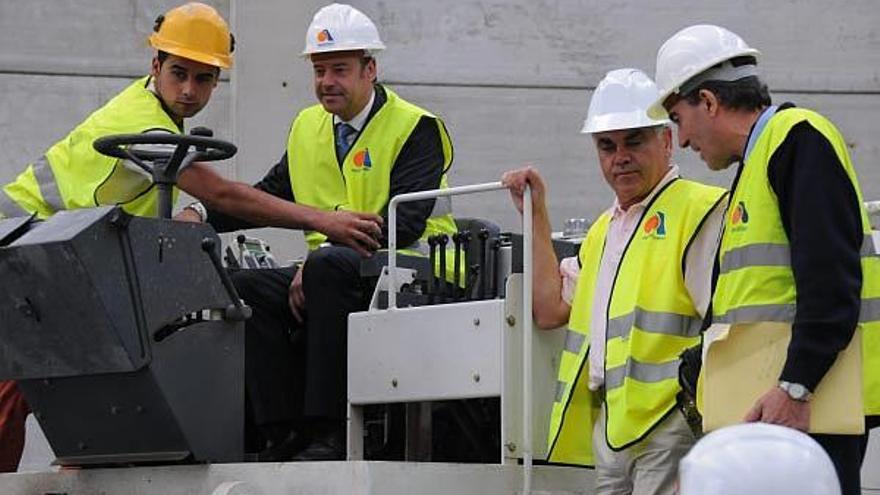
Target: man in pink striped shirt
<point>608,295</point>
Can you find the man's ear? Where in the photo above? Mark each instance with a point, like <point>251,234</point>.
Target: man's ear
<point>667,140</point>
<point>710,101</point>
<point>154,67</point>
<point>371,69</point>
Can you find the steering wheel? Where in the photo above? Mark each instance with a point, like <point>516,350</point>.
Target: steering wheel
<point>207,149</point>
<point>165,165</point>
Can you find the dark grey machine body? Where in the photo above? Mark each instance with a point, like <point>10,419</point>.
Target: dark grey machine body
<point>114,327</point>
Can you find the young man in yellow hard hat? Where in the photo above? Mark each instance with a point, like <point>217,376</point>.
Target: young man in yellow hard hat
<point>361,145</point>
<point>633,299</point>
<point>796,245</point>
<point>193,44</point>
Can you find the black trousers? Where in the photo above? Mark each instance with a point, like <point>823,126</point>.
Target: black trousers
<point>295,371</point>
<point>847,453</point>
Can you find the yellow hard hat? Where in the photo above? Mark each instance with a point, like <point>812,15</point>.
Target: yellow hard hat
<point>195,31</point>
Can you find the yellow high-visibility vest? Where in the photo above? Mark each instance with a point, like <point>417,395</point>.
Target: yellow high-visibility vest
<point>364,182</point>
<point>651,319</point>
<point>72,174</point>
<point>755,281</point>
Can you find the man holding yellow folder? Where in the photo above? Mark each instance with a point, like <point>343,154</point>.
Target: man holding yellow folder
<point>796,246</point>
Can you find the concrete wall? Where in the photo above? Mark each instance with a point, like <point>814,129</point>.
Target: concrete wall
<point>62,59</point>
<point>513,79</point>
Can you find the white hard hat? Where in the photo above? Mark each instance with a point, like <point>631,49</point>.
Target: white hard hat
<point>757,459</point>
<point>340,27</point>
<point>621,101</point>
<point>691,52</point>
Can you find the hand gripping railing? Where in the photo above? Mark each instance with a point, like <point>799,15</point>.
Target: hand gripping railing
<point>526,295</point>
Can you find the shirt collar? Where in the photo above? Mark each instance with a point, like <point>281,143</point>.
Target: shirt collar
<point>758,128</point>
<point>671,174</point>
<point>361,118</point>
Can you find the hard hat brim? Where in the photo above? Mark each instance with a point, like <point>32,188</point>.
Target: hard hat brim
<point>306,53</point>
<point>657,110</point>
<point>618,122</point>
<point>216,60</point>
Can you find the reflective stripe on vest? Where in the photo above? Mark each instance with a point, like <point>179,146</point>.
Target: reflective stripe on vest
<point>756,282</point>
<point>48,186</point>
<point>766,254</point>
<point>9,208</point>
<point>72,174</point>
<point>574,341</point>
<point>643,372</point>
<point>654,322</point>
<point>364,182</point>
<point>651,319</point>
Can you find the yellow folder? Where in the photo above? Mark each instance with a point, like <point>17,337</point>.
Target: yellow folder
<point>745,361</point>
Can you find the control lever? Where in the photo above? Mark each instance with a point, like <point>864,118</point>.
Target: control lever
<point>468,283</point>
<point>456,265</point>
<point>238,310</point>
<point>231,262</point>
<point>493,288</point>
<point>473,277</point>
<point>442,241</point>
<point>484,262</point>
<point>432,249</point>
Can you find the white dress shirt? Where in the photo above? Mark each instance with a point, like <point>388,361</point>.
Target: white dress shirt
<point>357,122</point>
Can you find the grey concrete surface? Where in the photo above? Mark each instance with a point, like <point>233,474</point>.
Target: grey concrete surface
<point>85,37</point>
<point>304,478</point>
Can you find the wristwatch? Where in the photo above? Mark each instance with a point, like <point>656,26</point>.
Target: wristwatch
<point>796,391</point>
<point>200,210</point>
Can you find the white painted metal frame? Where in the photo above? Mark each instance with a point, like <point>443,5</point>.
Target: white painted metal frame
<point>526,294</point>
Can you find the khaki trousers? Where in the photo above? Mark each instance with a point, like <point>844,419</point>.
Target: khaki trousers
<point>649,467</point>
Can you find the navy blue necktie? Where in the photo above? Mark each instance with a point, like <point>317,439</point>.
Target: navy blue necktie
<point>344,136</point>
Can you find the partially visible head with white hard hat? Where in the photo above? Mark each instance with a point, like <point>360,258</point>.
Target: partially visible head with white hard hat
<point>192,43</point>
<point>757,459</point>
<point>708,84</point>
<point>634,148</point>
<point>341,43</point>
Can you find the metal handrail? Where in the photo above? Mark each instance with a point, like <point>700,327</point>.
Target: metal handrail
<point>526,296</point>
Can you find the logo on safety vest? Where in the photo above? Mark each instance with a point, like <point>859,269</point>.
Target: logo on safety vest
<point>739,217</point>
<point>655,226</point>
<point>324,37</point>
<point>362,160</point>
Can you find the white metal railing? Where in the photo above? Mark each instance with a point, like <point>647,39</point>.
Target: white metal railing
<point>526,295</point>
